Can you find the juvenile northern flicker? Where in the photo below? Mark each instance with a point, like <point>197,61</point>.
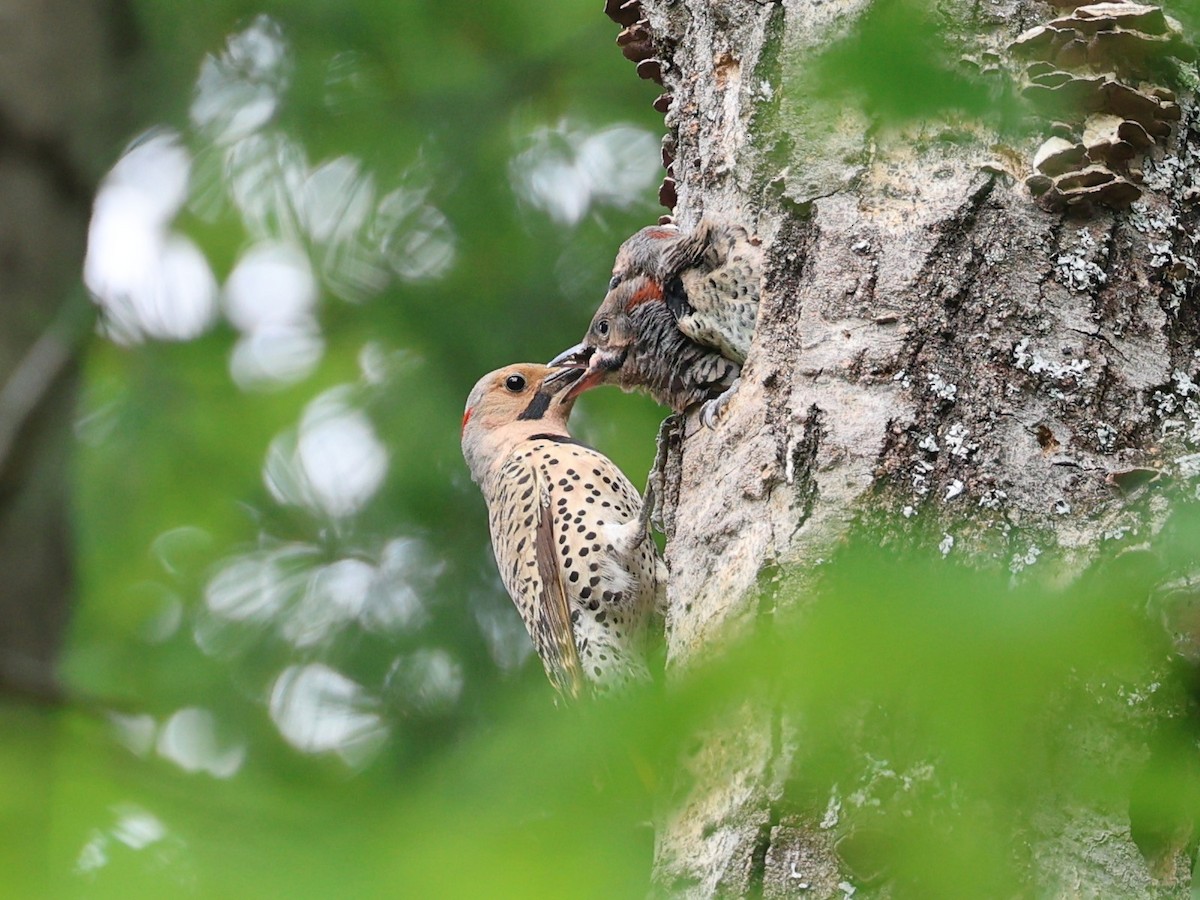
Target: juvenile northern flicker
<point>569,532</point>
<point>678,317</point>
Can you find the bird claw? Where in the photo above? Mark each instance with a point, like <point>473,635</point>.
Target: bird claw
<point>649,504</point>
<point>652,510</point>
<point>713,410</point>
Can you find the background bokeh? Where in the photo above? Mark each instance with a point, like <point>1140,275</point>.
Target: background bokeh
<point>330,220</point>
<point>292,670</point>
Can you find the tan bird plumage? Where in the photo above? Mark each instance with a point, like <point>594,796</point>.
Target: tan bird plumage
<point>568,530</point>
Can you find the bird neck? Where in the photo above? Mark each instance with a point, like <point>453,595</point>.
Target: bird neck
<point>493,447</point>
<point>661,339</point>
<point>676,370</point>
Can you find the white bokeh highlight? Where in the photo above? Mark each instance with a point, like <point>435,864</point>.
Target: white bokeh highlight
<point>566,169</point>
<point>149,281</point>
<point>333,463</point>
<point>238,92</point>
<point>271,298</point>
<point>189,739</point>
<point>328,227</point>
<point>335,595</point>
<point>295,593</point>
<point>429,680</point>
<point>319,710</point>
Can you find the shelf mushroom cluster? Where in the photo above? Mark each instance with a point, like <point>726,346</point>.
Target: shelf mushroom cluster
<point>1085,70</point>
<point>638,46</point>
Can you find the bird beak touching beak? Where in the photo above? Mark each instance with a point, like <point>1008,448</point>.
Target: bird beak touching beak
<point>592,376</point>
<point>558,381</point>
<point>573,356</point>
<point>579,355</point>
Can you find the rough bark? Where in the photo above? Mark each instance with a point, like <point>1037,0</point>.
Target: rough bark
<point>58,69</point>
<point>933,345</point>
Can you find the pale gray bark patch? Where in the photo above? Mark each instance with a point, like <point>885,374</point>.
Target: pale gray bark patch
<point>934,351</point>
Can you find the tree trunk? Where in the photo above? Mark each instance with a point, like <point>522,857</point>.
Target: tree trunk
<point>948,334</point>
<point>58,71</point>
<point>57,82</point>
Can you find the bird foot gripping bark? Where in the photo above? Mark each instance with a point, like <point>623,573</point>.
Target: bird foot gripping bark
<point>652,500</point>
<point>713,410</point>
<point>650,504</point>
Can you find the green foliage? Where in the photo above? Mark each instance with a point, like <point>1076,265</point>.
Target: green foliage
<point>284,688</point>
<point>905,69</point>
<point>901,62</point>
<point>235,599</point>
<point>939,712</point>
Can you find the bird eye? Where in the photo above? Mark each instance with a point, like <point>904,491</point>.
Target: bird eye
<point>515,383</point>
<point>602,328</point>
<point>614,281</point>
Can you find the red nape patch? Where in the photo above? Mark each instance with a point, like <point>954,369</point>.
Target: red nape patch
<point>466,418</point>
<point>651,290</point>
<point>662,234</point>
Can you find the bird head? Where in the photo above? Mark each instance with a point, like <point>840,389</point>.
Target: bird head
<point>642,252</point>
<point>612,334</point>
<point>512,403</point>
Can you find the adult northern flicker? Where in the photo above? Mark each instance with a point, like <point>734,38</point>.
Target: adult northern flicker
<point>569,532</point>
<point>678,317</point>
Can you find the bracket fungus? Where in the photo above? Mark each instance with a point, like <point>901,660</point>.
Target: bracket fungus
<point>638,45</point>
<point>635,42</point>
<point>1058,155</point>
<point>1084,70</point>
<point>666,193</point>
<point>623,12</point>
<point>1123,37</point>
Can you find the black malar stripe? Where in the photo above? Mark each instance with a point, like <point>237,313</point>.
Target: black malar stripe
<point>537,406</point>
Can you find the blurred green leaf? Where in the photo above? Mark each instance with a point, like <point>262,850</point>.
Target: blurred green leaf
<point>901,61</point>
